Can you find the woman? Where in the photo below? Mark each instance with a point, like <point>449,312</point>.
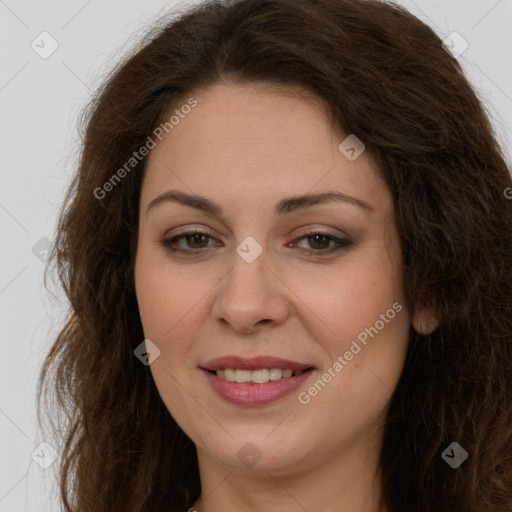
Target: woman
<point>287,254</point>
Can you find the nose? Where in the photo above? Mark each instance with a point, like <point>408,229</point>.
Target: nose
<point>251,295</point>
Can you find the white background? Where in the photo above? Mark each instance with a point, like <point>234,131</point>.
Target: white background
<point>39,103</point>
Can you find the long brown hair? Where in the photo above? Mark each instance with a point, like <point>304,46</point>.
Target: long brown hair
<point>386,78</point>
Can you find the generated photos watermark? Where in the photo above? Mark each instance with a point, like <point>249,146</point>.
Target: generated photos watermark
<point>454,455</point>
<point>304,397</point>
<point>101,192</point>
<point>147,352</point>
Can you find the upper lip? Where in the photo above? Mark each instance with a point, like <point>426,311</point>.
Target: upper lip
<point>253,363</point>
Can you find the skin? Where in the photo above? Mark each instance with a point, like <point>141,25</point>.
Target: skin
<point>246,147</point>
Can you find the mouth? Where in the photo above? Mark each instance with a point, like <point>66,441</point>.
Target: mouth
<point>255,381</point>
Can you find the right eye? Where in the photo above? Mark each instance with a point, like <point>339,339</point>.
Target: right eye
<point>194,239</point>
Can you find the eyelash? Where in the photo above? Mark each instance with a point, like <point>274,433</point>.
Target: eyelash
<point>342,243</point>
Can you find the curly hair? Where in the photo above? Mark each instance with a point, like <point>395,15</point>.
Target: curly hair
<point>386,78</point>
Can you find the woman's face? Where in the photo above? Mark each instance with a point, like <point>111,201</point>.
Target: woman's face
<point>297,259</point>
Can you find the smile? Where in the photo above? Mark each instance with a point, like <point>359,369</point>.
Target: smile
<point>257,381</point>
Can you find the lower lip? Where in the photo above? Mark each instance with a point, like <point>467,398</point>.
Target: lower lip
<point>253,395</point>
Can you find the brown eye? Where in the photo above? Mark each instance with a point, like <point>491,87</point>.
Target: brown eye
<point>319,240</point>
<point>189,242</point>
<point>323,243</point>
<point>194,239</point>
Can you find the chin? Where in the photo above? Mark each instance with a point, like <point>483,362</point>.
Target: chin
<point>256,452</point>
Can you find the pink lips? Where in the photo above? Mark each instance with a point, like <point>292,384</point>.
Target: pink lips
<point>250,394</point>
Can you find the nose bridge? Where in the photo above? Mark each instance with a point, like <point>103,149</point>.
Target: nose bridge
<point>248,270</point>
<point>250,293</point>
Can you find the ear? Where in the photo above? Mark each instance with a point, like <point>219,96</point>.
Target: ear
<point>424,321</point>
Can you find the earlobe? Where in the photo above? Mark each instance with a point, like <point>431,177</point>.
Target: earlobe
<point>424,321</point>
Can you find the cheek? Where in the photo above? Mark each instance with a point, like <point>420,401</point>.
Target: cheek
<point>351,297</point>
<point>170,300</point>
<point>170,306</point>
<point>358,313</point>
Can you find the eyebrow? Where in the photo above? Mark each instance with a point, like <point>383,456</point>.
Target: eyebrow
<point>283,207</point>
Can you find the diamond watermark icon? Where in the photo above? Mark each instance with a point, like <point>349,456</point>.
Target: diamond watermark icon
<point>352,147</point>
<point>44,45</point>
<point>146,352</point>
<point>249,249</point>
<point>44,455</point>
<point>455,44</point>
<point>249,455</point>
<point>454,455</point>
<point>41,248</point>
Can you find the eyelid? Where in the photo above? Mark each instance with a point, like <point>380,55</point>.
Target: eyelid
<point>191,230</point>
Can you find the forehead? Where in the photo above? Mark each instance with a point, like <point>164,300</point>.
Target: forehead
<point>258,140</point>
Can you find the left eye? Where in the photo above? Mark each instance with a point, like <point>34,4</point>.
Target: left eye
<point>197,241</point>
<point>320,242</point>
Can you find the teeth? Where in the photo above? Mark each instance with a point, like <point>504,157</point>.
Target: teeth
<point>256,376</point>
<point>229,375</point>
<point>243,375</point>
<point>275,373</point>
<point>260,376</point>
